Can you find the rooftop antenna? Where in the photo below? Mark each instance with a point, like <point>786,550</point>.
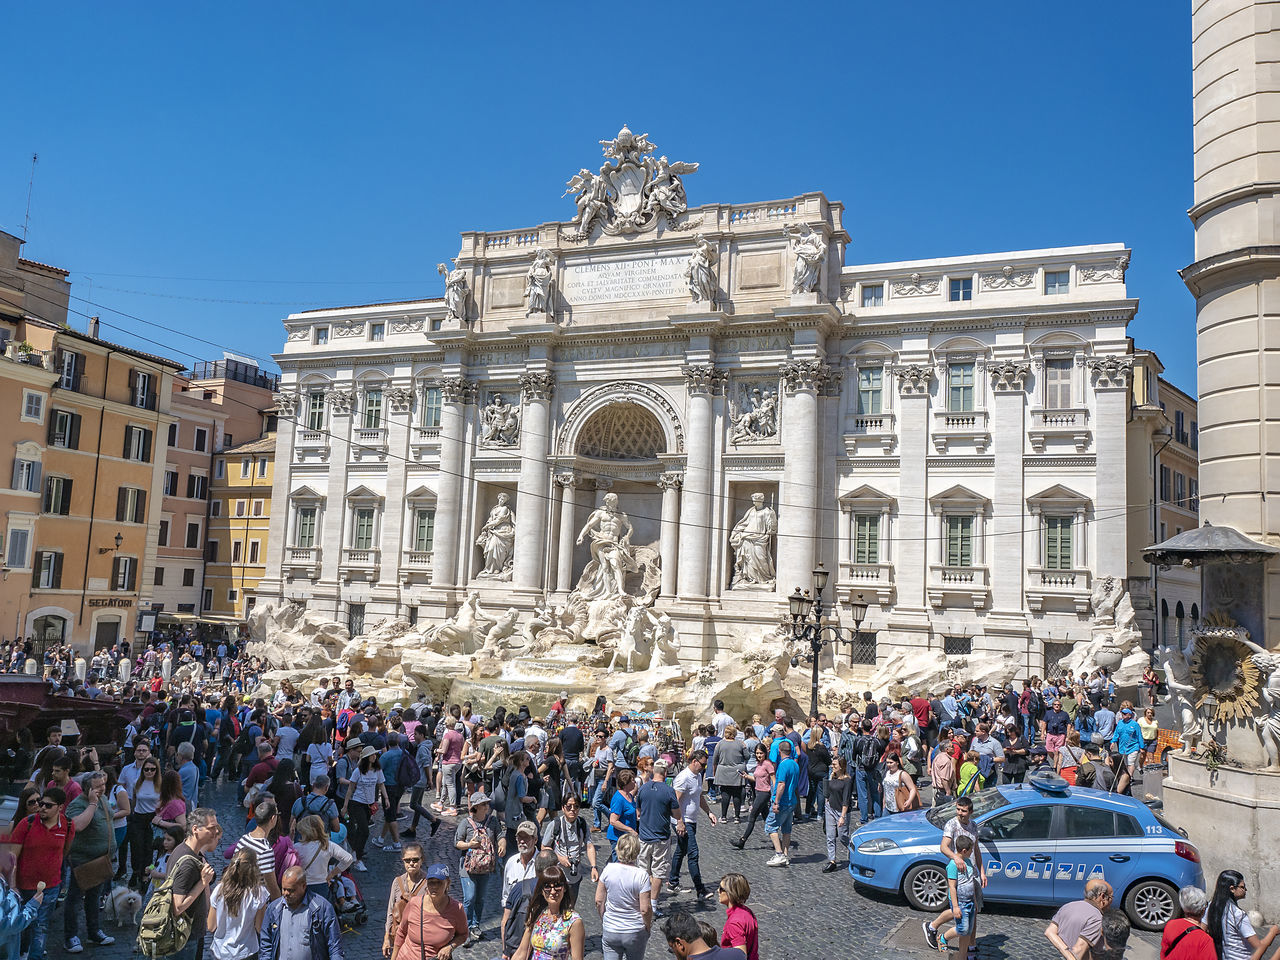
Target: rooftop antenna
<point>26,222</point>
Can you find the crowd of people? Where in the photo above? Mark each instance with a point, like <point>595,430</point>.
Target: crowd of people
<point>534,807</point>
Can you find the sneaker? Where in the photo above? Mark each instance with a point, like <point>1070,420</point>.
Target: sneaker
<point>435,825</point>
<point>673,887</point>
<point>101,939</point>
<point>360,866</point>
<point>778,860</point>
<point>377,842</point>
<point>658,912</point>
<point>706,895</point>
<point>395,847</point>
<point>831,867</point>
<point>930,935</point>
<point>75,946</point>
<point>409,832</point>
<point>738,844</point>
<point>943,946</point>
<point>451,812</point>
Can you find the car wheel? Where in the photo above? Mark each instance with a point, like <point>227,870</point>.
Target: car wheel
<point>1151,904</point>
<point>925,887</point>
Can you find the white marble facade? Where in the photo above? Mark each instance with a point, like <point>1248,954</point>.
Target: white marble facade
<point>946,436</point>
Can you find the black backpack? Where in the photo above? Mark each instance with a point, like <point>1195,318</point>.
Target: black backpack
<point>868,752</point>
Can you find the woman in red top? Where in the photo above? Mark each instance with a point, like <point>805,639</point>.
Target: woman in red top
<point>740,928</point>
<point>172,811</point>
<point>1186,938</point>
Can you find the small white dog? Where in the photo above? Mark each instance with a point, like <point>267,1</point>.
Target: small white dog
<point>125,905</point>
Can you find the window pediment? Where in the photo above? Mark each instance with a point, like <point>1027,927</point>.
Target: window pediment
<point>867,496</point>
<point>306,495</point>
<point>420,494</point>
<point>959,498</point>
<point>1058,496</point>
<point>363,494</point>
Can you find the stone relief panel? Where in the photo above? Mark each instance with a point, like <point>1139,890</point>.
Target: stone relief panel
<point>499,422</point>
<point>1008,279</point>
<point>1107,272</point>
<point>916,285</point>
<point>753,411</point>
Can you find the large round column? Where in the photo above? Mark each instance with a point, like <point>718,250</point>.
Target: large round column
<point>669,531</point>
<point>567,483</point>
<point>455,394</point>
<point>695,501</point>
<point>798,499</point>
<point>532,492</point>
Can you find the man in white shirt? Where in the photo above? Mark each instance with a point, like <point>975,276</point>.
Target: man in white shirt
<point>130,772</point>
<point>320,692</point>
<point>520,866</point>
<point>690,795</point>
<point>535,729</point>
<point>721,719</point>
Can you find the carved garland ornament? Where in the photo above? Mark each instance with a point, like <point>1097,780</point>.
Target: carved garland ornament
<point>1103,272</point>
<point>1008,279</point>
<point>1110,372</point>
<point>800,375</point>
<point>348,328</point>
<point>406,326</point>
<point>913,379</point>
<point>1009,376</point>
<point>915,286</point>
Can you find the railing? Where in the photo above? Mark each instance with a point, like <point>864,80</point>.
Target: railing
<point>880,423</point>
<point>968,581</point>
<point>372,437</point>
<point>352,557</point>
<point>418,559</point>
<point>304,556</point>
<point>960,425</point>
<point>1071,585</point>
<point>34,358</point>
<point>1060,579</point>
<point>427,433</point>
<point>762,212</point>
<point>1064,419</point>
<point>870,572</point>
<point>518,238</point>
<point>312,438</point>
<point>235,370</point>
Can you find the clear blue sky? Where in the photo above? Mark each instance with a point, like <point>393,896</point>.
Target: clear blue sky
<point>212,168</point>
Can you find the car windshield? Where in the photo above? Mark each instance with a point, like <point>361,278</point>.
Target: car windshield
<point>984,801</point>
<point>1164,822</point>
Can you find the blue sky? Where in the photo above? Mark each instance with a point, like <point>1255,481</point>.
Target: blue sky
<point>212,168</point>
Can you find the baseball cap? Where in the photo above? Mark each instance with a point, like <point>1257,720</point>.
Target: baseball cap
<point>1127,712</point>
<point>438,871</point>
<point>527,827</point>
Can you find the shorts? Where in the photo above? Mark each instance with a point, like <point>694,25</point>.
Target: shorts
<point>967,919</point>
<point>1131,759</point>
<point>655,857</point>
<point>1053,742</point>
<point>780,820</point>
<point>1148,745</point>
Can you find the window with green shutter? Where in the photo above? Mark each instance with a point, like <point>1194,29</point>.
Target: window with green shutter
<point>306,536</point>
<point>372,409</point>
<point>362,533</point>
<point>424,530</point>
<point>959,545</point>
<point>1057,543</point>
<point>866,538</point>
<point>315,410</point>
<point>960,386</point>
<point>869,381</point>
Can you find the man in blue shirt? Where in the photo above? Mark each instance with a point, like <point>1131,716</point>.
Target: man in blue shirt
<point>1128,742</point>
<point>618,743</point>
<point>782,806</point>
<point>1104,723</point>
<point>657,808</point>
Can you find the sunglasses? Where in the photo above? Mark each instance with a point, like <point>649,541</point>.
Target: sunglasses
<point>31,801</point>
<point>553,885</point>
<point>150,769</point>
<point>47,803</point>
<point>412,859</point>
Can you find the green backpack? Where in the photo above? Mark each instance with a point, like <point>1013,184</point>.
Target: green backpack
<point>162,931</point>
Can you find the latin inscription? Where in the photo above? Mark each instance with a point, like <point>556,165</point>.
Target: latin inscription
<point>613,281</point>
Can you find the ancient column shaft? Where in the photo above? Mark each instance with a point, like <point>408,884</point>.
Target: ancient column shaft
<point>695,500</point>
<point>564,560</point>
<point>798,498</point>
<point>533,490</point>
<point>669,532</point>
<point>456,394</point>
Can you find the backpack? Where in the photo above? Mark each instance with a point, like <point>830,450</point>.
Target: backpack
<point>1086,773</point>
<point>969,786</point>
<point>162,931</point>
<point>408,773</point>
<point>499,798</point>
<point>481,859</point>
<point>868,752</point>
<point>631,751</point>
<point>344,721</point>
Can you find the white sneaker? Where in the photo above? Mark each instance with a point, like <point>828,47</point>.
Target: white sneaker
<point>394,846</point>
<point>74,945</point>
<point>361,867</point>
<point>777,860</point>
<point>377,842</point>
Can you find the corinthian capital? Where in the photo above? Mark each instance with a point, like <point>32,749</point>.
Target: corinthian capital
<point>704,378</point>
<point>798,375</point>
<point>538,386</point>
<point>671,481</point>
<point>913,379</point>
<point>458,390</point>
<point>1009,376</point>
<point>1110,373</point>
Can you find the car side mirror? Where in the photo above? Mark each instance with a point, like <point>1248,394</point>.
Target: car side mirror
<point>986,833</point>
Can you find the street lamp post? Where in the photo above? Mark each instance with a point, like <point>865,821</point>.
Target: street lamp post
<point>808,626</point>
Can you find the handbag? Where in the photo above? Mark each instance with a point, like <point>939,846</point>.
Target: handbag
<point>94,872</point>
<point>902,798</point>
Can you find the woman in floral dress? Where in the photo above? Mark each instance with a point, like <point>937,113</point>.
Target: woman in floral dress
<point>554,930</point>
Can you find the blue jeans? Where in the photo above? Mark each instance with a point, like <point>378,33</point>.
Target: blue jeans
<point>34,936</point>
<point>600,806</point>
<point>1026,728</point>
<point>474,888</point>
<point>687,846</point>
<point>190,951</point>
<point>868,784</point>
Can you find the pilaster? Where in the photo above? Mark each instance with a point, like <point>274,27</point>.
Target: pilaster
<point>701,381</point>
<point>1110,376</point>
<point>911,566</point>
<point>456,394</point>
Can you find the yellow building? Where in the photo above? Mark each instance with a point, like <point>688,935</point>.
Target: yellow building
<point>239,515</point>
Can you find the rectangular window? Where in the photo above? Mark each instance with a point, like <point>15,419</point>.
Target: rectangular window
<point>866,538</point>
<point>377,332</point>
<point>1166,484</point>
<point>202,439</point>
<point>193,535</point>
<point>957,646</point>
<point>873,294</point>
<point>1056,282</point>
<point>960,387</point>
<point>962,289</point>
<point>1057,543</point>
<point>869,383</point>
<point>241,506</point>
<point>372,409</point>
<point>200,490</point>
<point>436,323</point>
<point>32,406</point>
<point>258,507</point>
<point>1180,489</point>
<point>233,595</point>
<point>355,619</point>
<point>1193,494</point>
<point>189,577</point>
<point>47,570</point>
<point>171,483</point>
<point>306,527</point>
<point>162,538</point>
<point>1180,426</point>
<point>173,435</point>
<point>72,370</point>
<point>131,505</point>
<point>246,467</point>
<point>16,554</point>
<point>1195,435</point>
<point>262,466</point>
<point>142,393</point>
<point>158,580</point>
<point>57,495</point>
<point>220,469</point>
<point>424,530</point>
<point>362,529</point>
<point>137,444</point>
<point>26,475</point>
<point>413,615</point>
<point>1057,384</point>
<point>215,508</point>
<point>431,404</point>
<point>322,336</point>
<point>237,548</point>
<point>958,549</point>
<point>315,410</point>
<point>124,573</point>
<point>64,429</point>
<point>206,602</point>
<point>255,548</point>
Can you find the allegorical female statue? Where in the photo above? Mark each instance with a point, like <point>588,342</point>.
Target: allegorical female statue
<point>497,541</point>
<point>752,542</point>
<point>538,283</point>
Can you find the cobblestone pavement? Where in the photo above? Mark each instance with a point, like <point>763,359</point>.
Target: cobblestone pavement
<point>803,913</point>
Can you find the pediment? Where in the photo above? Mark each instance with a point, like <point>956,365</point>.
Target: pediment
<point>363,493</point>
<point>420,493</point>
<point>1058,493</point>
<point>868,494</point>
<point>306,493</point>
<point>958,494</point>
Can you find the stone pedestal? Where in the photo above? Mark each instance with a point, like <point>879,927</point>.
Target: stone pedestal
<point>1233,818</point>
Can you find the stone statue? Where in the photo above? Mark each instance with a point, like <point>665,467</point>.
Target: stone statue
<point>539,282</point>
<point>455,291</point>
<point>665,192</point>
<point>501,630</point>
<point>699,271</point>
<point>1106,594</point>
<point>592,200</point>
<point>757,419</point>
<point>665,643</point>
<point>465,631</point>
<point>499,423</point>
<point>634,639</point>
<point>497,541</point>
<point>1269,723</point>
<point>811,252</point>
<point>1183,692</point>
<point>752,542</point>
<point>611,552</point>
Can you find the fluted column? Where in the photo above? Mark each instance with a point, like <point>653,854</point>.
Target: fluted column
<point>669,531</point>
<point>532,491</point>
<point>701,380</point>
<point>567,483</point>
<point>798,500</point>
<point>455,394</point>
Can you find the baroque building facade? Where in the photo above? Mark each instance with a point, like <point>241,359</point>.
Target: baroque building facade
<point>947,437</point>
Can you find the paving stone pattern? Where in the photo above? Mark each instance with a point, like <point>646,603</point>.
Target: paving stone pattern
<point>803,913</point>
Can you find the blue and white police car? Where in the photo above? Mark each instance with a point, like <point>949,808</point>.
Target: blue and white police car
<point>1040,842</point>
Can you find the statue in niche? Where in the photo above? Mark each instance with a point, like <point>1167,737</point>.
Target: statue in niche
<point>499,423</point>
<point>497,541</point>
<point>757,418</point>
<point>810,252</point>
<point>699,271</point>
<point>752,542</point>
<point>539,282</point>
<point>455,291</point>
<point>611,552</point>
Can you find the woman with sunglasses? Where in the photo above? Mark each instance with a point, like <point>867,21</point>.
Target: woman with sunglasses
<point>145,801</point>
<point>554,930</point>
<point>740,928</point>
<point>28,804</point>
<point>172,811</point>
<point>1233,935</point>
<point>403,889</point>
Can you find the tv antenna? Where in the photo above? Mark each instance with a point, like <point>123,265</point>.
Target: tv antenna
<point>26,222</point>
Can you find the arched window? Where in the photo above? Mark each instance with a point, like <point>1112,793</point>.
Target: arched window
<point>1164,621</point>
<point>1180,615</point>
<point>1195,616</point>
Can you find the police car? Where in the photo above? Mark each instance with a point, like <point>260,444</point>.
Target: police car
<point>1040,842</point>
